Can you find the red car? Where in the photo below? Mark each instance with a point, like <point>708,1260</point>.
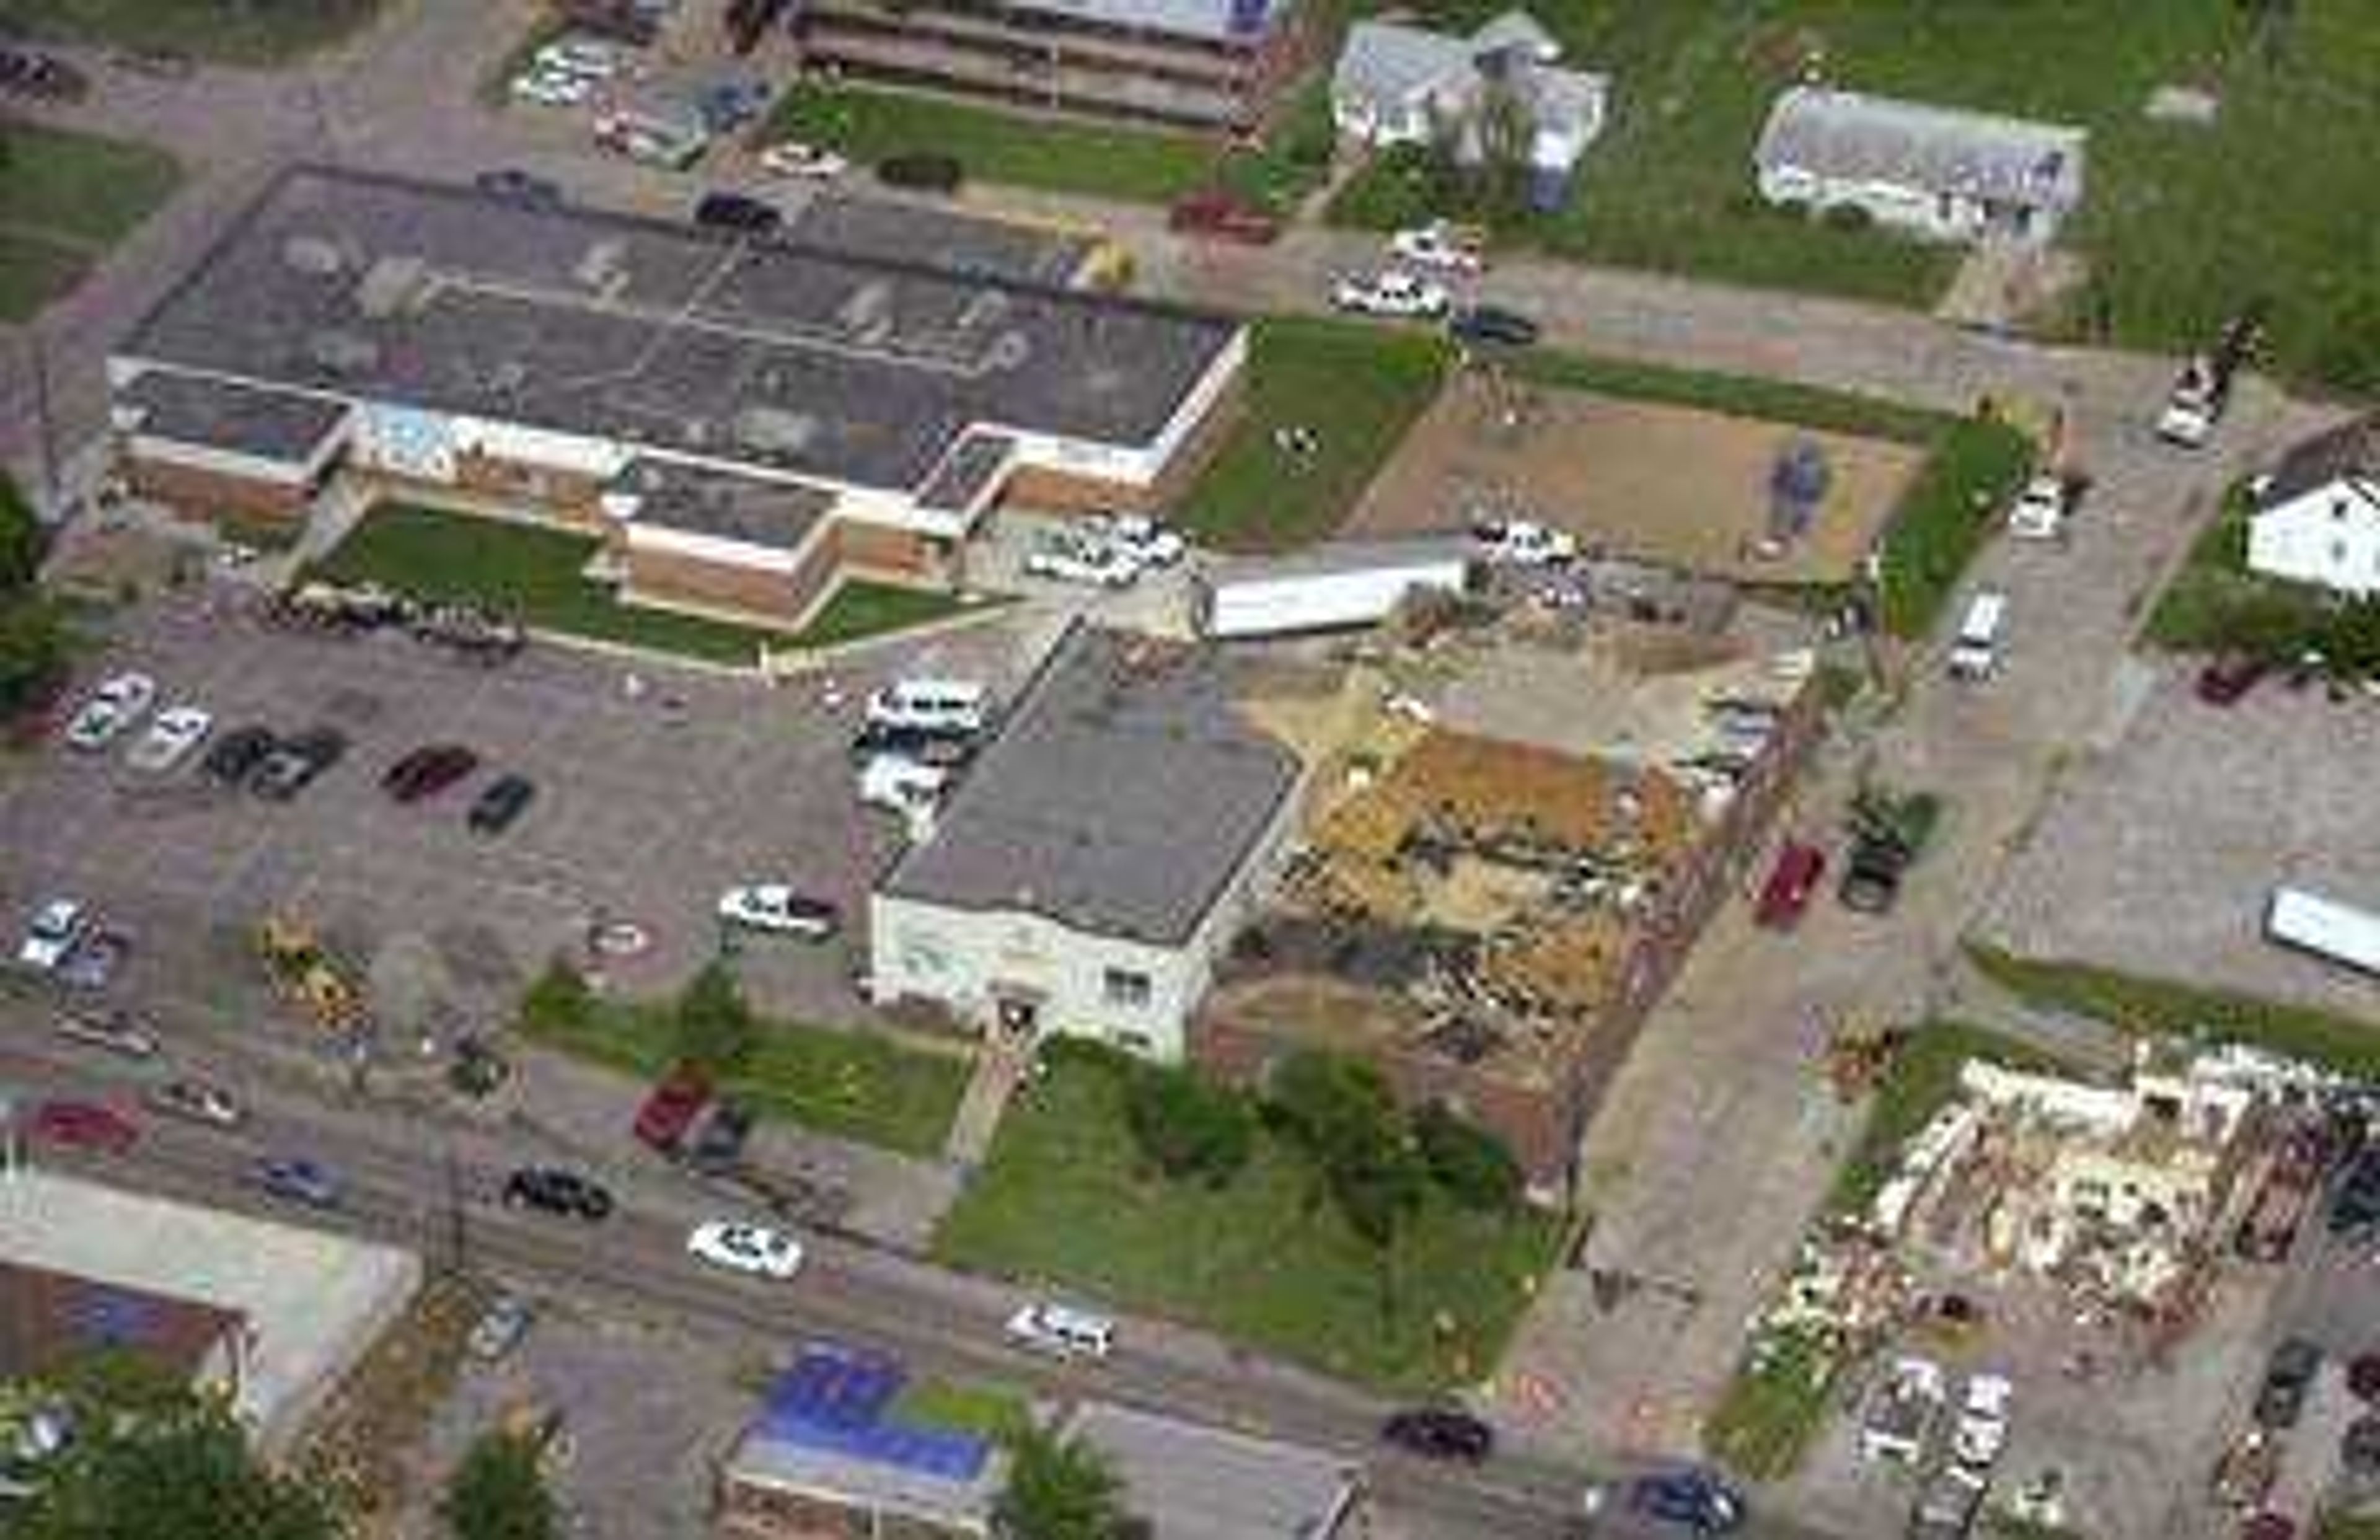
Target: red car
<point>670,1109</point>
<point>1216,212</point>
<point>1791,882</point>
<point>84,1125</point>
<point>2229,677</point>
<point>425,772</point>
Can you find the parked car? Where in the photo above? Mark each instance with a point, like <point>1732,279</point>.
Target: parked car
<point>670,1108</point>
<point>2356,1205</point>
<point>91,963</point>
<point>1792,880</point>
<point>53,932</point>
<point>719,1139</point>
<point>1492,323</point>
<point>170,738</point>
<point>737,212</point>
<point>587,57</point>
<point>195,1101</point>
<point>551,88</point>
<point>1871,880</point>
<point>1439,1433</point>
<point>938,751</point>
<point>84,1125</point>
<point>519,188</point>
<point>778,908</point>
<point>429,770</point>
<point>1980,1432</point>
<point>921,172</point>
<point>1947,1505</point>
<point>730,105</point>
<point>1067,557</point>
<point>1523,543</point>
<point>113,1030</point>
<point>120,700</point>
<point>1061,1331</point>
<point>500,1328</point>
<point>2289,1380</point>
<point>237,754</point>
<point>745,1248</point>
<point>1689,1498</point>
<point>296,763</point>
<point>958,708</point>
<point>2041,509</point>
<point>1219,213</point>
<point>901,786</point>
<point>2229,676</point>
<point>1145,539</point>
<point>501,803</point>
<point>1445,247</point>
<point>1394,295</point>
<point>300,1179</point>
<point>809,162</point>
<point>550,1190</point>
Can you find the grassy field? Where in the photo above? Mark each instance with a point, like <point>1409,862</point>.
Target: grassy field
<point>993,1411</point>
<point>1259,1260</point>
<point>2165,1007</point>
<point>1945,517</point>
<point>2181,223</point>
<point>1356,387</point>
<point>855,1085</point>
<point>65,199</point>
<point>233,31</point>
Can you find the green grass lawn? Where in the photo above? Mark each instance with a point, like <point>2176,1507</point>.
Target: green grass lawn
<point>2214,601</point>
<point>1945,517</point>
<point>65,198</point>
<point>2165,1007</point>
<point>533,572</point>
<point>1260,1260</point>
<point>1773,1409</point>
<point>994,1412</point>
<point>1056,155</point>
<point>857,1085</point>
<point>1357,386</point>
<point>2181,223</point>
<point>235,32</point>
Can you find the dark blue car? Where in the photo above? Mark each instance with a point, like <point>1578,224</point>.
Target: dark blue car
<point>298,1179</point>
<point>1689,1498</point>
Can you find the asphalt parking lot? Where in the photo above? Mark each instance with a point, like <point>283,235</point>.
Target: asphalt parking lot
<point>2158,856</point>
<point>657,787</point>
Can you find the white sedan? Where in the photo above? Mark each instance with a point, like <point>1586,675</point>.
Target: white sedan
<point>1147,541</point>
<point>551,88</point>
<point>57,928</point>
<point>776,907</point>
<point>1390,293</point>
<point>1094,563</point>
<point>170,738</point>
<point>1439,244</point>
<point>792,158</point>
<point>744,1248</point>
<point>115,705</point>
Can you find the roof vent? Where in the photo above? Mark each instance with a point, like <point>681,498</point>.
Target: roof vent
<point>390,284</point>
<point>988,307</point>
<point>775,431</point>
<point>507,378</point>
<point>312,256</point>
<point>603,268</point>
<point>335,352</point>
<point>1008,351</point>
<point>868,307</point>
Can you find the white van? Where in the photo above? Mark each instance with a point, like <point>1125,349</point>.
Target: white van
<point>952,706</point>
<point>1976,652</point>
<point>899,785</point>
<point>1063,1330</point>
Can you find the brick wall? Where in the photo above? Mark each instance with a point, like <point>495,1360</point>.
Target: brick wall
<point>205,492</point>
<point>776,595</point>
<point>1047,491</point>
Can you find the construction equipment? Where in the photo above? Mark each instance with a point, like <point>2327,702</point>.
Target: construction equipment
<point>306,976</point>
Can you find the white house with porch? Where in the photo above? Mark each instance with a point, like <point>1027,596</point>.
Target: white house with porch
<point>2317,518</point>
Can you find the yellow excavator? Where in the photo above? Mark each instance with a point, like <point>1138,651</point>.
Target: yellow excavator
<point>305,974</point>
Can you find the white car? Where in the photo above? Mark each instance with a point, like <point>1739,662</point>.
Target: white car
<point>1439,245</point>
<point>900,785</point>
<point>2039,513</point>
<point>1390,293</point>
<point>1523,543</point>
<point>1149,542</point>
<point>170,738</point>
<point>576,56</point>
<point>1982,1431</point>
<point>1061,1331</point>
<point>792,158</point>
<point>744,1248</point>
<point>1076,558</point>
<point>549,88</point>
<point>115,705</point>
<point>57,928</point>
<point>775,907</point>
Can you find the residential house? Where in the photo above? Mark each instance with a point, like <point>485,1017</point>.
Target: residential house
<point>1399,84</point>
<point>1941,172</point>
<point>2318,516</point>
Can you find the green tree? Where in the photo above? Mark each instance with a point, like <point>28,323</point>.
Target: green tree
<point>2351,642</point>
<point>1340,1111</point>
<point>32,651</point>
<point>715,1026</point>
<point>1187,1125</point>
<point>1470,1163</point>
<point>498,1491</point>
<point>20,536</point>
<point>1059,1489</point>
<point>559,998</point>
<point>152,1462</point>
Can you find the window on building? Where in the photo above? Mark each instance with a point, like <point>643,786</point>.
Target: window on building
<point>2339,552</point>
<point>1127,987</point>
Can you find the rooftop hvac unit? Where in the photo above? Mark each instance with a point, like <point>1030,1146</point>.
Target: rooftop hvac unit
<point>775,431</point>
<point>603,269</point>
<point>391,284</point>
<point>868,308</point>
<point>313,256</point>
<point>1008,351</point>
<point>336,352</point>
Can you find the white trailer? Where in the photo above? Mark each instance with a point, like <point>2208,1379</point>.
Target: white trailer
<point>2325,927</point>
<point>1329,587</point>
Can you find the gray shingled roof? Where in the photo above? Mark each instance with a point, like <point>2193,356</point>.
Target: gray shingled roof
<point>1121,797</point>
<point>2351,450</point>
<point>815,363</point>
<point>1389,62</point>
<point>1849,136</point>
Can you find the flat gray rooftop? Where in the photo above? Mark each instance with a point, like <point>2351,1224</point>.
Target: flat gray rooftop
<point>270,425</point>
<point>857,368</point>
<point>1197,1483</point>
<point>773,515</point>
<point>764,1459</point>
<point>1120,798</point>
<point>960,243</point>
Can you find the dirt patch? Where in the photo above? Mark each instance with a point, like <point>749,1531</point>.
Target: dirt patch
<point>1676,485</point>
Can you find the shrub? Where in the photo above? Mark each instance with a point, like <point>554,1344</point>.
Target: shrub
<point>21,539</point>
<point>921,172</point>
<point>1470,1163</point>
<point>1186,1125</point>
<point>560,997</point>
<point>1847,217</point>
<point>715,1028</point>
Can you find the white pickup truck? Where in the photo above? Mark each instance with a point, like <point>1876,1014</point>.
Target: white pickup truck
<point>1522,543</point>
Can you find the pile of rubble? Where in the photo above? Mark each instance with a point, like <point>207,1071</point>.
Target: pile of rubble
<point>473,632</point>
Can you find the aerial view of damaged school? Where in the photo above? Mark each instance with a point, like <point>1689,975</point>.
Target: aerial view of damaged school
<point>1189,770</point>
